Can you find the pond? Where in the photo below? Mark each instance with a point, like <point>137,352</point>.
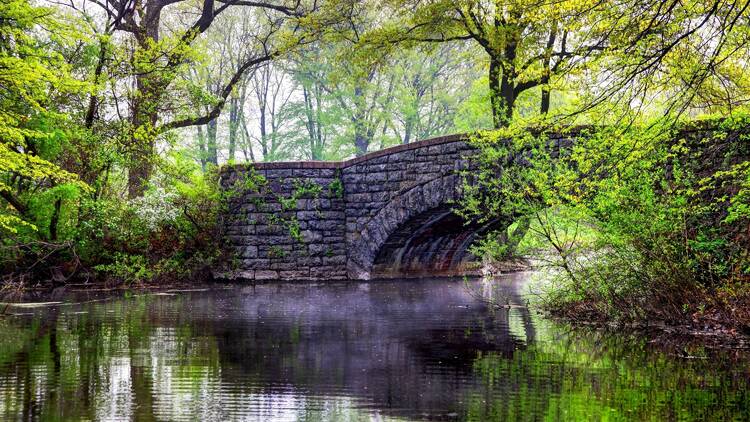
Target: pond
<point>396,350</point>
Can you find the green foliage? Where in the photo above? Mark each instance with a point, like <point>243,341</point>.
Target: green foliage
<point>632,221</point>
<point>304,190</point>
<point>129,268</point>
<point>31,133</point>
<point>276,252</point>
<point>641,200</point>
<point>169,233</point>
<point>336,188</point>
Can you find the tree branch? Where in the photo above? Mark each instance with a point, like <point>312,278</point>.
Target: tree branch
<point>216,110</point>
<point>14,202</point>
<point>283,9</point>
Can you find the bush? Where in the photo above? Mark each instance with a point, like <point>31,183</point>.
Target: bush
<point>169,234</point>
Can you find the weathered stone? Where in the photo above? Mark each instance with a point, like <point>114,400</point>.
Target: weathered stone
<point>294,275</point>
<point>310,236</point>
<point>266,275</point>
<point>270,229</point>
<point>376,177</point>
<point>278,173</point>
<point>281,265</point>
<point>318,249</point>
<point>324,225</point>
<point>255,263</point>
<point>333,260</point>
<point>312,173</point>
<point>250,252</point>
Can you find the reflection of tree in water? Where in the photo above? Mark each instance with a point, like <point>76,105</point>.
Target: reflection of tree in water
<point>590,375</point>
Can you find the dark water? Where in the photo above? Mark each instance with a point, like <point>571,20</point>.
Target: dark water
<point>361,351</point>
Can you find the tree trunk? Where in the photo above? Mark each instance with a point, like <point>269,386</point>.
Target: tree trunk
<point>318,123</point>
<point>234,114</point>
<point>93,106</point>
<point>546,93</point>
<point>142,147</point>
<point>211,145</point>
<point>263,131</point>
<point>310,123</point>
<point>508,94</point>
<point>361,141</point>
<point>544,107</point>
<point>201,147</point>
<point>144,112</point>
<point>247,148</point>
<point>408,126</point>
<point>501,98</point>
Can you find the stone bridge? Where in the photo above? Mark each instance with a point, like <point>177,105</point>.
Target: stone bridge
<point>384,214</point>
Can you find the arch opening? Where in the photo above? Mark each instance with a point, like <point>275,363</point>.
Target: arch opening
<point>433,243</point>
<point>417,234</point>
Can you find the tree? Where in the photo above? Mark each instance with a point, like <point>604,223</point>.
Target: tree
<point>33,77</point>
<point>231,42</point>
<point>272,93</point>
<point>156,61</point>
<point>526,44</point>
<point>431,82</point>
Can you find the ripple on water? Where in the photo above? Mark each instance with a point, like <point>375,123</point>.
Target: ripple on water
<point>404,349</point>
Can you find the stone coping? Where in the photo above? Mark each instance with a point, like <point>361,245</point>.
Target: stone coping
<point>688,127</point>
<point>347,163</point>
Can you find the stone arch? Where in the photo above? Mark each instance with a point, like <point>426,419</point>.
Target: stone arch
<point>415,229</point>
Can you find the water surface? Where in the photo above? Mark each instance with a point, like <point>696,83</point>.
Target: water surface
<point>400,350</point>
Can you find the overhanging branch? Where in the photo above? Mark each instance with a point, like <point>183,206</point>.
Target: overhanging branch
<point>216,110</point>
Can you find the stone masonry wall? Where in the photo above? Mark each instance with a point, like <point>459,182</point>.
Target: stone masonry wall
<point>294,229</point>
<point>288,232</point>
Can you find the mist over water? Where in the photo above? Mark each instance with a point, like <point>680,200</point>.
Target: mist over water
<point>405,350</point>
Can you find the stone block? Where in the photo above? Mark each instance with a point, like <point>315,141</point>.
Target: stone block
<point>308,261</point>
<point>324,272</point>
<point>266,275</point>
<point>318,204</point>
<point>324,224</point>
<point>334,237</point>
<point>376,177</point>
<point>318,249</point>
<point>275,229</point>
<point>309,236</point>
<point>250,252</point>
<point>403,156</point>
<point>307,215</point>
<point>254,263</point>
<point>333,260</point>
<point>311,173</point>
<point>289,263</point>
<point>436,150</point>
<point>295,275</point>
<point>278,173</point>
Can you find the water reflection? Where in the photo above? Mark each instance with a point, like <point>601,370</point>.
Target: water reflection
<point>360,351</point>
